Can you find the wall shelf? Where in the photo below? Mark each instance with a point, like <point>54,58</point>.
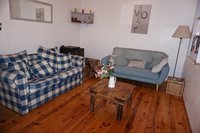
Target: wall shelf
<point>83,18</point>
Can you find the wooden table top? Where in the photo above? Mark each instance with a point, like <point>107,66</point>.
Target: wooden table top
<point>120,94</point>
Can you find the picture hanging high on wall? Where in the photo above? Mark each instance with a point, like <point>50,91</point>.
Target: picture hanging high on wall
<point>141,18</point>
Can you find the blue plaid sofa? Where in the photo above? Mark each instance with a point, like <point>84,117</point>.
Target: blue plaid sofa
<point>27,81</point>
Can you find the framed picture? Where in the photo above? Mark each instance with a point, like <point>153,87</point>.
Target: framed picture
<point>141,18</point>
<point>39,14</point>
<point>195,44</point>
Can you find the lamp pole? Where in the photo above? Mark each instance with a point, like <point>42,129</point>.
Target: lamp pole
<point>177,55</point>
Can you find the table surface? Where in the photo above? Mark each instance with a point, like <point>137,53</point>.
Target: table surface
<point>120,94</point>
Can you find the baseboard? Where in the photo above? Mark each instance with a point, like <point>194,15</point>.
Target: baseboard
<point>187,115</point>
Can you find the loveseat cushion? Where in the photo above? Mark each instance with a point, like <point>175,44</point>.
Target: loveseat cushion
<point>41,83</point>
<point>136,72</point>
<point>48,55</point>
<point>158,67</point>
<point>136,63</point>
<point>120,61</point>
<point>17,57</point>
<point>41,69</point>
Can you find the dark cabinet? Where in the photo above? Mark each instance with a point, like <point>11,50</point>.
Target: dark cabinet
<point>72,49</point>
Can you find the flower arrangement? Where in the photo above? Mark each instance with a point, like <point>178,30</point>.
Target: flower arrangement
<point>104,71</point>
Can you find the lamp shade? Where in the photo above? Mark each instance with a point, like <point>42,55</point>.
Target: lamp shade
<point>182,32</point>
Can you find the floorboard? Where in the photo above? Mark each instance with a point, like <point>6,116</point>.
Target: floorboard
<point>151,112</point>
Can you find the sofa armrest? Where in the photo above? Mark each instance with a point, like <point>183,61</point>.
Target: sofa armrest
<point>163,73</point>
<point>14,78</point>
<point>105,60</point>
<point>77,61</point>
<point>14,90</point>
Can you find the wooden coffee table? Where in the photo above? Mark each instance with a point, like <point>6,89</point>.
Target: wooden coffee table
<point>120,95</point>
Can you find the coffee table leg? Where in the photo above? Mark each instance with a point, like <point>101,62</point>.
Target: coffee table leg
<point>129,104</point>
<point>92,103</point>
<point>119,112</point>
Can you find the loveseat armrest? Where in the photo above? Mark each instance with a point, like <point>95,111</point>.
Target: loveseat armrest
<point>163,74</point>
<point>14,90</point>
<point>77,61</point>
<point>105,60</point>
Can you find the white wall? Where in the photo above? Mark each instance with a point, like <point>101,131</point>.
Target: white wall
<point>19,35</point>
<point>192,88</point>
<point>112,26</point>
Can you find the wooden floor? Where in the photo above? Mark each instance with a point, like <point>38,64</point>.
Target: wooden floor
<point>151,112</point>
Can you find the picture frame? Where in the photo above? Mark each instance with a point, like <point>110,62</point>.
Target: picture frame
<point>141,18</point>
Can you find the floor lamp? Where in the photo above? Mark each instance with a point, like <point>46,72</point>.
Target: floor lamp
<point>181,32</point>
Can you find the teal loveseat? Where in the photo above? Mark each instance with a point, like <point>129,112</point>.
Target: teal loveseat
<point>139,65</point>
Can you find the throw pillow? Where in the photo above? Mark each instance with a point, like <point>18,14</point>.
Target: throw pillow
<point>41,69</point>
<point>20,66</point>
<point>120,61</point>
<point>158,67</point>
<point>55,49</point>
<point>48,55</point>
<point>111,60</point>
<point>63,61</point>
<point>136,63</point>
<point>17,57</point>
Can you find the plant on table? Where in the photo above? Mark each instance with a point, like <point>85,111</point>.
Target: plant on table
<point>104,71</point>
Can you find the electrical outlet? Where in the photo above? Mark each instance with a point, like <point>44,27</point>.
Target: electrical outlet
<point>0,25</point>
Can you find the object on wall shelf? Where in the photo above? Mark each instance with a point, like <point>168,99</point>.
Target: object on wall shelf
<point>81,17</point>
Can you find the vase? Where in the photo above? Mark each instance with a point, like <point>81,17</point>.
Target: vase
<point>112,81</point>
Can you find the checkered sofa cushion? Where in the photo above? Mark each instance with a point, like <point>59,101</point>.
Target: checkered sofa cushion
<point>41,83</point>
<point>20,66</point>
<point>48,55</point>
<point>77,61</point>
<point>17,57</point>
<point>63,61</point>
<point>41,69</point>
<point>48,93</point>
<point>67,73</point>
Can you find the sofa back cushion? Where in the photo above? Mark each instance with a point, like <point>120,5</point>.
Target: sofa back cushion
<point>63,61</point>
<point>41,69</point>
<point>17,57</point>
<point>48,55</point>
<point>137,54</point>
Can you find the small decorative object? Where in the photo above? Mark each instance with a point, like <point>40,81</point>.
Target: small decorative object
<point>82,10</point>
<point>112,82</point>
<point>75,10</point>
<point>90,11</point>
<point>104,71</point>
